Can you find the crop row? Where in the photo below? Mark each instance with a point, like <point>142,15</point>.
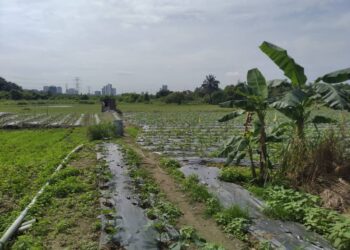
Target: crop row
<point>193,133</point>
<point>12,120</point>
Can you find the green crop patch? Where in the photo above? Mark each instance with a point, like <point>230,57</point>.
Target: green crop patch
<point>28,158</point>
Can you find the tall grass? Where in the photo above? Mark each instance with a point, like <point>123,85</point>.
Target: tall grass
<point>101,131</point>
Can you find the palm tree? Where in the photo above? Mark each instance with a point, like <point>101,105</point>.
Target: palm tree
<point>210,85</point>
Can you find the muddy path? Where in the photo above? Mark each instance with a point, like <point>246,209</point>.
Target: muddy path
<point>193,213</point>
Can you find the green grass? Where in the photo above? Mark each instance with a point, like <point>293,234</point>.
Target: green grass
<point>27,159</point>
<point>67,211</point>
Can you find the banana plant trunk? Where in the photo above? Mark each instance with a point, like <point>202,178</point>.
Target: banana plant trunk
<point>300,129</point>
<point>247,125</point>
<point>263,148</point>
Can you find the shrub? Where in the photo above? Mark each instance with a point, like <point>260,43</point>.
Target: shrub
<point>101,131</point>
<point>227,215</point>
<point>340,234</point>
<point>233,174</point>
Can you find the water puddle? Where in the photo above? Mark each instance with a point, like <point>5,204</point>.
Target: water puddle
<point>283,235</point>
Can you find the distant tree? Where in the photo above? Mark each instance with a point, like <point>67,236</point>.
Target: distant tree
<point>146,97</point>
<point>218,96</point>
<point>15,94</point>
<point>210,85</point>
<point>175,97</point>
<point>163,93</point>
<point>8,86</point>
<point>84,97</point>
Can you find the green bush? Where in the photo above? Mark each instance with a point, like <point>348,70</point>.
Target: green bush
<point>340,234</point>
<point>318,219</point>
<point>287,204</point>
<point>227,215</point>
<point>233,174</point>
<point>101,131</point>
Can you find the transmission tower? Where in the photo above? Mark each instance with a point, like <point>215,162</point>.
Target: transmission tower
<point>77,84</point>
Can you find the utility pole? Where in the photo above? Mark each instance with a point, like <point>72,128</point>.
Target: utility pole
<point>77,84</point>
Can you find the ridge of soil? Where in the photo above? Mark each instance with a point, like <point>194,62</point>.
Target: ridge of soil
<point>193,212</point>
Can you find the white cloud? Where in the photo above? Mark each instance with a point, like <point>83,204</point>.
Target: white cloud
<point>141,44</point>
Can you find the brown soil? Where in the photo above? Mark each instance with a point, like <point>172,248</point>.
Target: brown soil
<point>193,212</point>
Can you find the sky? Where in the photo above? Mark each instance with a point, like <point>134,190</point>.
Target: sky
<point>139,45</point>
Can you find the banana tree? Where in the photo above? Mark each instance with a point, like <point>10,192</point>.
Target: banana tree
<point>254,100</point>
<point>296,103</point>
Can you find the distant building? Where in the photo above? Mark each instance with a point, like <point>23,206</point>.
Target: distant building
<point>72,91</point>
<point>52,89</point>
<point>46,89</point>
<point>109,90</point>
<point>164,88</point>
<point>97,92</point>
<point>59,90</point>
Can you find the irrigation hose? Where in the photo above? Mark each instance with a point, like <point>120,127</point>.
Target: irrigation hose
<point>17,223</point>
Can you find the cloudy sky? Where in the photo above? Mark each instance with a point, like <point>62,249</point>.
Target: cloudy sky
<point>138,45</point>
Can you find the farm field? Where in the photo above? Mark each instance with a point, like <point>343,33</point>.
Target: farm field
<point>27,159</point>
<point>184,141</point>
<point>194,130</point>
<point>52,115</point>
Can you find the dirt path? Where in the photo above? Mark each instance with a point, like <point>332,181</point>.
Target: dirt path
<point>193,213</point>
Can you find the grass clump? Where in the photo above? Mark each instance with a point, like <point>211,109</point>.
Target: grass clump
<point>196,191</point>
<point>132,131</point>
<point>101,131</point>
<point>234,221</point>
<point>235,174</point>
<point>172,167</point>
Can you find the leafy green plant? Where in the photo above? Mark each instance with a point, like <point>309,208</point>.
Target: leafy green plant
<point>296,102</point>
<point>287,204</point>
<point>213,206</point>
<point>233,174</point>
<point>196,191</point>
<point>237,227</point>
<point>340,234</point>
<point>212,246</point>
<point>101,131</point>
<point>254,100</point>
<point>318,219</point>
<point>226,215</point>
<point>25,242</point>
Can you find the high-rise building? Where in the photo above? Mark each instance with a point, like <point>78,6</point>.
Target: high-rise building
<point>52,89</point>
<point>46,89</point>
<point>59,90</point>
<point>72,91</point>
<point>97,92</point>
<point>108,90</point>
